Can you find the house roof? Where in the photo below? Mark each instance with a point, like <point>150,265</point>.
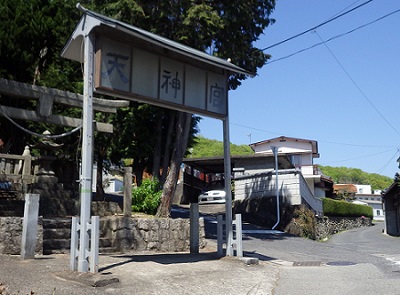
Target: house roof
<point>351,188</point>
<point>314,143</point>
<point>93,20</point>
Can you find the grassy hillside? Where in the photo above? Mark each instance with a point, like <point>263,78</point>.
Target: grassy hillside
<point>356,176</point>
<point>205,147</point>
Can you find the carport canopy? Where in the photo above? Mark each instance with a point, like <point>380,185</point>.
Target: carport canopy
<point>216,164</point>
<point>193,185</point>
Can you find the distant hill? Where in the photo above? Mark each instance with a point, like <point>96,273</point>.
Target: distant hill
<point>205,147</point>
<point>356,176</point>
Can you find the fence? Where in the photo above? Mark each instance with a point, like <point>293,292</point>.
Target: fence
<point>15,172</point>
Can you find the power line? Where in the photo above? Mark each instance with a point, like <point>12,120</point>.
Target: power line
<point>348,6</point>
<point>388,162</point>
<point>317,26</point>
<point>356,85</point>
<point>323,141</point>
<point>334,37</point>
<point>362,157</point>
<point>256,129</point>
<point>357,145</point>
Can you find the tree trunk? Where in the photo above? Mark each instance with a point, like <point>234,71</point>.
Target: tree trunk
<point>167,153</point>
<point>183,124</point>
<point>138,169</point>
<point>157,149</point>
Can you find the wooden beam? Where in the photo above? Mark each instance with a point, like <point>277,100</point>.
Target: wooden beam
<point>71,99</point>
<point>22,114</point>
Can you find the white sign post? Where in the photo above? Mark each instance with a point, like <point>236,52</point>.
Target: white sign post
<point>128,62</point>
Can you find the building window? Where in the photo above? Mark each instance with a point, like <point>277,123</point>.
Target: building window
<point>378,212</point>
<point>360,190</point>
<point>296,160</point>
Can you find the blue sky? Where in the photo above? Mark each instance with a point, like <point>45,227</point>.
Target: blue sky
<point>345,93</point>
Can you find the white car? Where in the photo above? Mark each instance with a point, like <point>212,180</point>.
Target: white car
<point>212,197</point>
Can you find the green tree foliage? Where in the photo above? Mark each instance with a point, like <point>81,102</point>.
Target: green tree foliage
<point>146,197</point>
<point>204,147</point>
<point>32,35</point>
<point>345,175</point>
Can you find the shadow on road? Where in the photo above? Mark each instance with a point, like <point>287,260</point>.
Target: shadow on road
<point>259,256</point>
<point>166,259</point>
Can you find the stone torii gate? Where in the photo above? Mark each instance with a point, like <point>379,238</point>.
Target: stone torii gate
<point>125,61</point>
<point>47,97</point>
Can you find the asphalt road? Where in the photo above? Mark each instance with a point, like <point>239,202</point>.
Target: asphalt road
<point>371,245</point>
<point>359,261</point>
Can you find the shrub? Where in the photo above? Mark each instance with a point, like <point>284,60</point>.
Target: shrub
<point>146,197</point>
<point>345,209</point>
<point>304,220</point>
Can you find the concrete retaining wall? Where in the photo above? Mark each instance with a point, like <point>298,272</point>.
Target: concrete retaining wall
<point>117,234</point>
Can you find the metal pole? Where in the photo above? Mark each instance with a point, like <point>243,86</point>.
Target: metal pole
<point>87,155</point>
<point>278,217</point>
<point>220,234</point>
<point>227,176</point>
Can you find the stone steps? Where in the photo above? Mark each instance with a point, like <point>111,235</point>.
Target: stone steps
<point>57,237</point>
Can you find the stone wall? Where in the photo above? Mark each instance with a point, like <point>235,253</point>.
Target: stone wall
<point>320,228</point>
<point>117,234</point>
<point>11,235</point>
<point>149,234</point>
<point>327,226</point>
<point>105,208</point>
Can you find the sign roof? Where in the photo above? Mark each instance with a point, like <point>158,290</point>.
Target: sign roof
<point>73,48</point>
